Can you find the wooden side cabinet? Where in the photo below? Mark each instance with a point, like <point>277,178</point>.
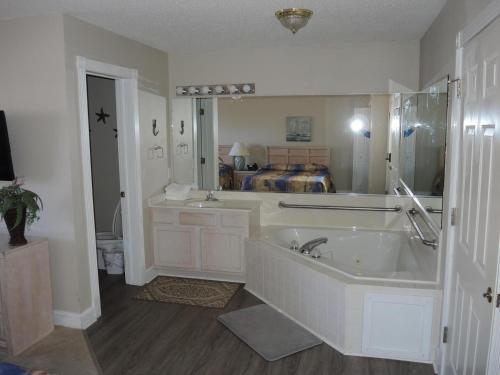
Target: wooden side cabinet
<point>25,294</point>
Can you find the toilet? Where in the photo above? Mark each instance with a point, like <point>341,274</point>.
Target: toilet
<point>110,246</point>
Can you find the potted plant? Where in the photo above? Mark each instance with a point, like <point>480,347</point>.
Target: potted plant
<point>18,207</point>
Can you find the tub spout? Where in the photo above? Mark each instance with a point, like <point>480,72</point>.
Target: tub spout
<point>310,245</point>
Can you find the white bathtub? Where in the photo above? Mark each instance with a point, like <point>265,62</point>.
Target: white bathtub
<point>359,254</point>
<point>365,285</point>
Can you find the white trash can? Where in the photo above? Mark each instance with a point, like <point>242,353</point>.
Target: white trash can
<point>114,262</point>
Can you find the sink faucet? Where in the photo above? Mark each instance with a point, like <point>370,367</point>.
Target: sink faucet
<point>211,196</point>
<point>310,245</point>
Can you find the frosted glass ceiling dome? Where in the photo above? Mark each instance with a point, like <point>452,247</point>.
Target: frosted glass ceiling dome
<point>294,19</point>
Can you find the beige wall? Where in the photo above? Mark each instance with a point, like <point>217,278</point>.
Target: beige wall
<point>341,68</point>
<point>38,91</point>
<point>83,39</point>
<point>437,46</point>
<point>33,95</point>
<point>261,122</point>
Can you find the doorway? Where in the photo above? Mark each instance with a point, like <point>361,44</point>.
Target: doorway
<point>207,144</point>
<point>129,146</point>
<point>103,132</point>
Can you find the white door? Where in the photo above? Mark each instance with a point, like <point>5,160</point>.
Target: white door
<point>476,234</point>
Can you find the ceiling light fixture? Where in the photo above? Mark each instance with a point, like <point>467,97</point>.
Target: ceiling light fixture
<point>294,19</point>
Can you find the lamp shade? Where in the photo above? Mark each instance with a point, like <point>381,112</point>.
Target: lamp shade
<point>239,149</point>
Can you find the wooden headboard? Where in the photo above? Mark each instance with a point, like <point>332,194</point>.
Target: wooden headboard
<point>298,155</point>
<point>286,155</point>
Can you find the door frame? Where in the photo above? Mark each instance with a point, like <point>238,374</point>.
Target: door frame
<point>215,129</point>
<point>129,146</point>
<point>483,20</point>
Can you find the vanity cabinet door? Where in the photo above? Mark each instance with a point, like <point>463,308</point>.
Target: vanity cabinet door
<point>175,246</point>
<point>222,250</point>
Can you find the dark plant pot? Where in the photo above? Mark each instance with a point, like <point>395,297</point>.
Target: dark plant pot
<point>17,233</point>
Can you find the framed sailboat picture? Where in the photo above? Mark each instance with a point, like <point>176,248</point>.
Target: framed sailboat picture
<point>298,129</point>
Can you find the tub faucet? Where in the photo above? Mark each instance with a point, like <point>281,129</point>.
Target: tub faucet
<point>310,245</point>
<point>211,196</point>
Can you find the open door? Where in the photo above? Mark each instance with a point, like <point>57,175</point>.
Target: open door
<point>473,288</point>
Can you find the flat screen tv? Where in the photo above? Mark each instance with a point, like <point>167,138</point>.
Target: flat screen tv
<point>6,168</point>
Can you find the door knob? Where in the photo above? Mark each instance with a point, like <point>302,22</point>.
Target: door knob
<point>488,295</point>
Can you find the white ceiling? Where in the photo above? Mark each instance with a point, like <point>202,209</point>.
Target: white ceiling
<point>189,25</point>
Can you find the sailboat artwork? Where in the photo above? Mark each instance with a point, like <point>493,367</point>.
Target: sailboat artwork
<point>298,129</point>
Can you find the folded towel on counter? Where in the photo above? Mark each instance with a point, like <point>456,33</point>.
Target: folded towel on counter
<point>177,192</point>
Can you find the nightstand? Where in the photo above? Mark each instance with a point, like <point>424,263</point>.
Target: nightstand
<point>238,177</point>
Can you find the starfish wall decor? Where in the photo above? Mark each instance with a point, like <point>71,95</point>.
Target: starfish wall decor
<point>101,116</point>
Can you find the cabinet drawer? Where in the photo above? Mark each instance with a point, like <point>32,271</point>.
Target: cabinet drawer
<point>164,216</point>
<point>195,218</point>
<point>234,220</point>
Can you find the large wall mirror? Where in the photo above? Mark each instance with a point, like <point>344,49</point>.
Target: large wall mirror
<point>362,144</point>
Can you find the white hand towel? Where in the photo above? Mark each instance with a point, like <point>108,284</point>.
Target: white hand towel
<point>177,192</point>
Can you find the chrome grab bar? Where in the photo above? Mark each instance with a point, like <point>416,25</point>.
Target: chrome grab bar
<point>431,210</point>
<point>396,208</point>
<point>411,216</point>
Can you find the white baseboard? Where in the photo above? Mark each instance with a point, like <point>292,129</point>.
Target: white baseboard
<point>69,319</point>
<point>149,275</point>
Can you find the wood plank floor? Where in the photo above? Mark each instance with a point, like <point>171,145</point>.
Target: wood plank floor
<point>148,338</point>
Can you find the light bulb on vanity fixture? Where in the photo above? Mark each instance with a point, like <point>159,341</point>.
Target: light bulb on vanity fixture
<point>205,90</point>
<point>193,90</point>
<point>180,91</point>
<point>233,89</point>
<point>219,90</point>
<point>246,88</point>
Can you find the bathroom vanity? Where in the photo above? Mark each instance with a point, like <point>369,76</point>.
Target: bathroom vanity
<point>205,239</point>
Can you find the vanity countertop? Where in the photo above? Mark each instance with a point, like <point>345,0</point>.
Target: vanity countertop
<point>190,204</point>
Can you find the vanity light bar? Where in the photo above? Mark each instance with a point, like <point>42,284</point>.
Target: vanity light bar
<point>230,89</point>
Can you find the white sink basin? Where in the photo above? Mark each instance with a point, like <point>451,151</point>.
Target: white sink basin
<point>205,204</point>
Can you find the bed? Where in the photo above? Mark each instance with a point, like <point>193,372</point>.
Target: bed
<point>290,178</point>
<point>293,170</point>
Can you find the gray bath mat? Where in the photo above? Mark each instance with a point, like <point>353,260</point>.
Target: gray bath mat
<point>268,332</point>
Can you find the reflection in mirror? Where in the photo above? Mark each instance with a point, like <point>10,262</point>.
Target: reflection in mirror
<point>312,144</point>
<point>423,139</point>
